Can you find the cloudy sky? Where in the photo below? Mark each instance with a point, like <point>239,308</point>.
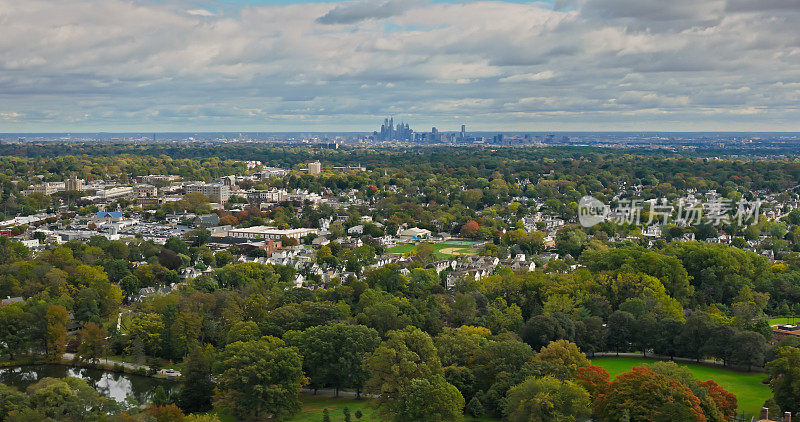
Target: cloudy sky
<point>274,65</point>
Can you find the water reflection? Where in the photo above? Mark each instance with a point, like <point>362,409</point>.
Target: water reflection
<point>110,384</point>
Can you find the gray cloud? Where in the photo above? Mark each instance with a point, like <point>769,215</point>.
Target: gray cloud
<point>600,64</point>
<point>353,12</point>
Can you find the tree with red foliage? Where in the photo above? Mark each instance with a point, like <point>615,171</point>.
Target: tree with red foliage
<point>594,379</point>
<point>726,402</point>
<point>228,220</point>
<point>470,229</point>
<point>644,395</point>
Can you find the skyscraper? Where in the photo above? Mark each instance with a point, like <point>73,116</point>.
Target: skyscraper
<point>402,132</point>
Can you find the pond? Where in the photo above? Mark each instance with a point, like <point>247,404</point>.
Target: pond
<point>110,384</point>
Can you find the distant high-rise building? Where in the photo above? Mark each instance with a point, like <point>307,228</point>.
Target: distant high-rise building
<point>402,132</point>
<point>463,132</point>
<point>73,183</point>
<point>315,167</point>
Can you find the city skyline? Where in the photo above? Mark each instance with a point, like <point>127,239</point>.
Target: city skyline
<point>283,65</point>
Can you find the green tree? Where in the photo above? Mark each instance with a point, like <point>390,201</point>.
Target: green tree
<point>548,399</point>
<point>260,378</point>
<point>93,342</point>
<point>405,355</point>
<point>621,326</point>
<point>68,399</point>
<point>784,373</point>
<point>11,400</point>
<point>563,353</point>
<point>750,349</point>
<point>431,399</point>
<point>13,329</point>
<point>147,329</point>
<point>197,389</point>
<point>333,354</point>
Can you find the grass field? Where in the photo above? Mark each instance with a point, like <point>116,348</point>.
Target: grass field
<point>747,386</point>
<point>440,250</point>
<point>776,321</point>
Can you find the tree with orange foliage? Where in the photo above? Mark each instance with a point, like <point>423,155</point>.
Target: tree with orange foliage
<point>726,402</point>
<point>228,220</point>
<point>594,379</point>
<point>470,229</point>
<point>644,395</point>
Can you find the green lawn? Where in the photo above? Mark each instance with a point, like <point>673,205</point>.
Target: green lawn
<point>776,321</point>
<point>451,248</point>
<point>747,386</point>
<point>313,406</point>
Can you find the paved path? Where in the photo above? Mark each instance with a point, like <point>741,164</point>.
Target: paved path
<point>132,366</point>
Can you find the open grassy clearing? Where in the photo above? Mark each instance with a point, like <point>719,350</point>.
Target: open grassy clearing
<point>440,250</point>
<point>747,386</point>
<point>788,320</point>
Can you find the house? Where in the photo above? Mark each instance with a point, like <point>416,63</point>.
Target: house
<point>108,217</point>
<point>414,233</point>
<point>320,241</point>
<point>9,300</point>
<point>207,220</point>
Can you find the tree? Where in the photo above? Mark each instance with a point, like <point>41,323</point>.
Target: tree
<point>457,346</point>
<point>590,335</point>
<point>68,399</point>
<point>644,395</point>
<point>170,259</point>
<point>470,229</point>
<point>147,329</point>
<point>431,399</point>
<point>13,329</point>
<point>405,355</point>
<point>197,389</point>
<point>11,400</point>
<point>719,342</point>
<point>333,354</point>
<point>93,343</point>
<point>621,326</point>
<point>260,378</point>
<point>570,240</point>
<point>540,330</point>
<point>784,373</point>
<point>696,332</point>
<point>502,317</point>
<point>749,349</point>
<point>548,399</point>
<point>564,353</point>
<point>242,331</point>
<point>475,408</point>
<point>177,245</point>
<point>594,379</point>
<point>55,333</point>
<point>166,413</point>
<point>725,401</point>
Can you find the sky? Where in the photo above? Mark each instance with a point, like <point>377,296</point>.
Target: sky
<point>289,65</point>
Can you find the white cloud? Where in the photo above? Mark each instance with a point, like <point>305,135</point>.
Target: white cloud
<point>530,77</point>
<point>200,12</point>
